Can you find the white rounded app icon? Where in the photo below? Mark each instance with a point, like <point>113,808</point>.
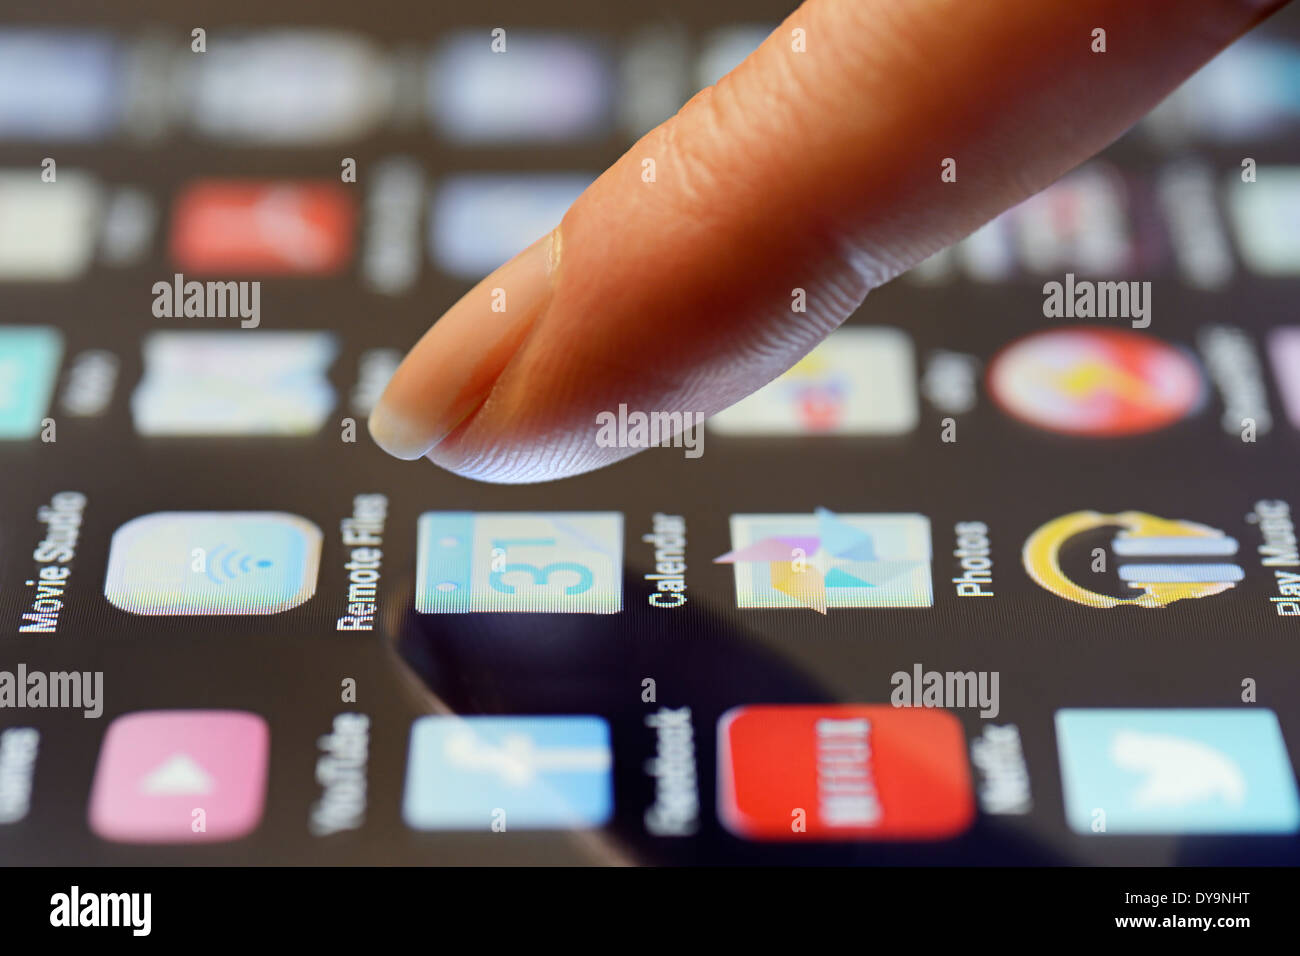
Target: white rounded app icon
<point>213,562</point>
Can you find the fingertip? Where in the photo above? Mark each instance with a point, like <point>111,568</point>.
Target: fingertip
<point>397,434</point>
<point>447,376</point>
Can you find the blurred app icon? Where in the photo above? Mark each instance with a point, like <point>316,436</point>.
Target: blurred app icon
<point>1176,771</point>
<point>860,381</point>
<point>393,248</point>
<point>290,87</point>
<point>653,77</point>
<point>234,383</point>
<point>47,230</point>
<point>545,562</point>
<point>213,562</point>
<point>538,87</point>
<point>1078,224</point>
<point>477,222</point>
<point>1264,216</point>
<point>504,773</point>
<point>263,228</point>
<point>1284,346</point>
<point>827,560</point>
<point>1249,91</point>
<point>1187,194</point>
<point>130,221</point>
<point>58,85</point>
<point>1166,560</point>
<point>856,771</point>
<point>989,253</point>
<point>19,747</point>
<point>180,776</point>
<point>724,49</point>
<point>29,365</point>
<point>1096,382</point>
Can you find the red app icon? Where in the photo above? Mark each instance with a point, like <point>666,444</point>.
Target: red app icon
<point>1096,382</point>
<point>266,228</point>
<point>843,772</point>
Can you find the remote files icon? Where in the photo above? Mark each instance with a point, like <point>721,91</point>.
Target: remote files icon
<point>213,562</point>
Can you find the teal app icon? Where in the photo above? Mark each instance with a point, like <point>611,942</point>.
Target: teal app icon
<point>29,362</point>
<point>1176,771</point>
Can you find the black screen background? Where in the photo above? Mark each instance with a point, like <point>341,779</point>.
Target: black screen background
<point>707,655</point>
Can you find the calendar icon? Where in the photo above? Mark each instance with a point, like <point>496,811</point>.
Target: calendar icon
<point>549,562</point>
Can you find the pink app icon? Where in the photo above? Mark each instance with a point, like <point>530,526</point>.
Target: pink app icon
<point>1285,345</point>
<point>180,776</point>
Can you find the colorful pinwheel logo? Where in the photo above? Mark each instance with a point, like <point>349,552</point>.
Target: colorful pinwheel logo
<point>847,561</point>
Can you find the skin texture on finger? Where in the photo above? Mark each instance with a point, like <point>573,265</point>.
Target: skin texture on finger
<point>816,170</point>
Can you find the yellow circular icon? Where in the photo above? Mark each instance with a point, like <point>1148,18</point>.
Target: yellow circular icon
<point>1138,532</point>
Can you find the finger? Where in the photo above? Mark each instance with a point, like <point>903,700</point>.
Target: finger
<point>816,170</point>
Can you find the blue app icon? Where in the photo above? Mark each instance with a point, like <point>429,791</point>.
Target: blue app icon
<point>29,361</point>
<point>550,88</point>
<point>503,773</point>
<point>479,220</point>
<point>58,85</point>
<point>1176,771</point>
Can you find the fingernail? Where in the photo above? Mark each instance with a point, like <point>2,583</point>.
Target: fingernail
<point>446,377</point>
